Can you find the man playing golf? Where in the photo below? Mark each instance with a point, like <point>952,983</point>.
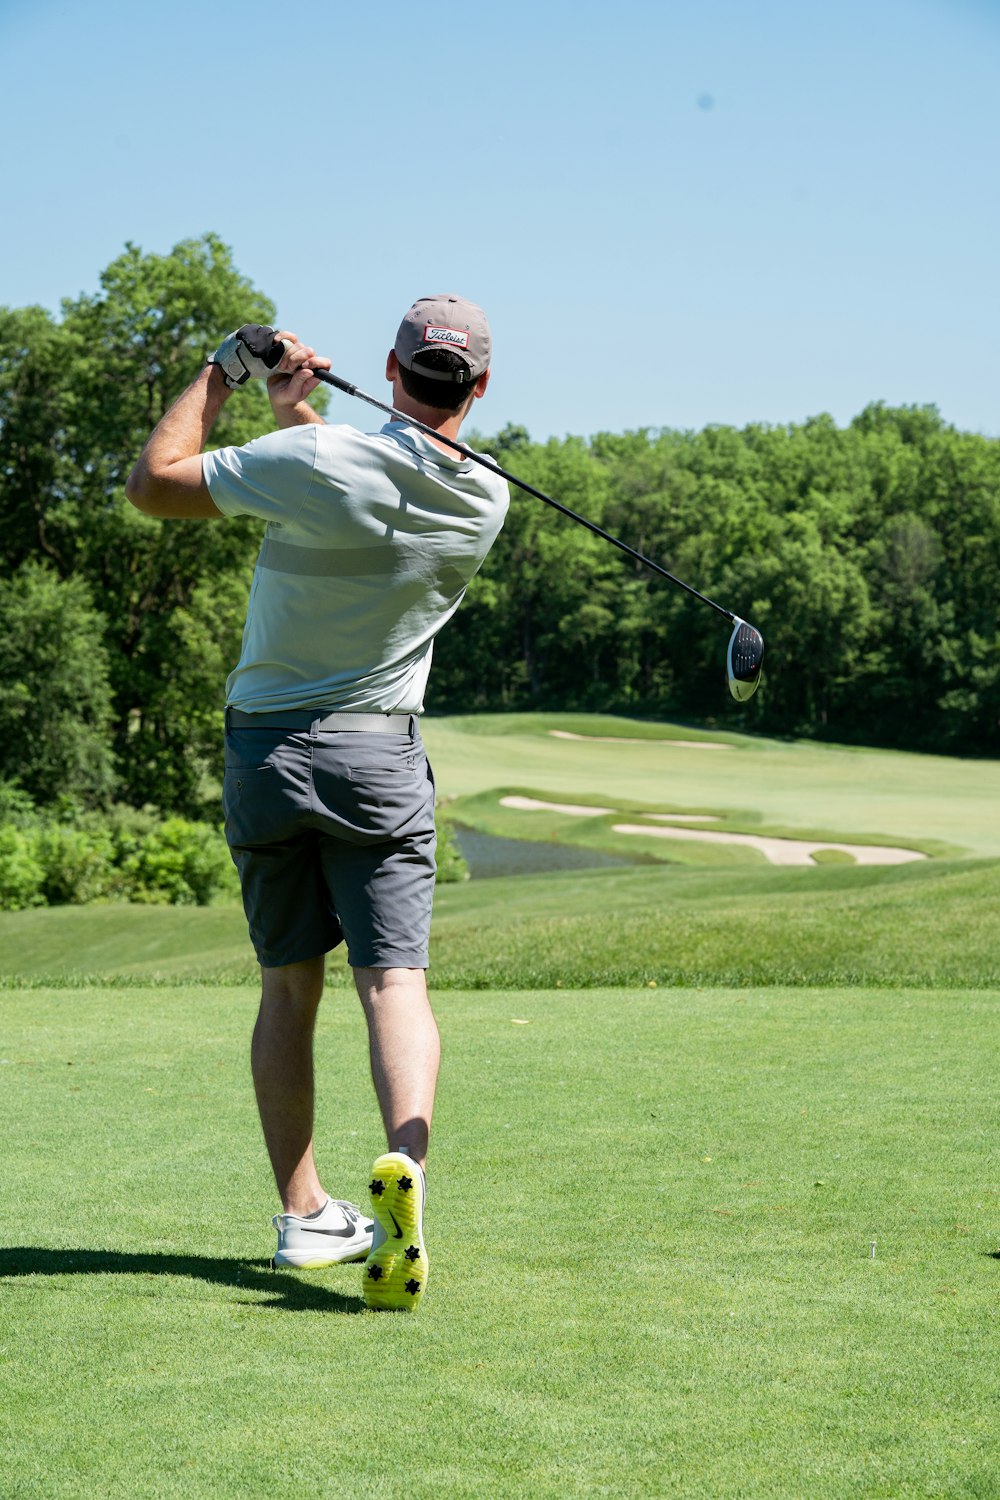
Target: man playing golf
<point>371,541</point>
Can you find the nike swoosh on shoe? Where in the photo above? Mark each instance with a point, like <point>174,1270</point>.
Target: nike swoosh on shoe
<point>342,1234</point>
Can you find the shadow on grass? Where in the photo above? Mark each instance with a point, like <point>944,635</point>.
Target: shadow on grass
<point>283,1290</point>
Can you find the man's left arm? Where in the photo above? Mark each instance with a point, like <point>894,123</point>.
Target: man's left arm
<point>168,478</point>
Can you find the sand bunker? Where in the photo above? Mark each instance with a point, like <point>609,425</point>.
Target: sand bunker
<point>577,810</point>
<point>617,739</point>
<point>530,804</point>
<point>682,817</point>
<point>779,851</point>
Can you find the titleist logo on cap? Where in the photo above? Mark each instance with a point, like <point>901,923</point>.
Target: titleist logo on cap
<point>457,336</point>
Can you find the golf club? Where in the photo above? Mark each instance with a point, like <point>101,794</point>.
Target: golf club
<point>745,652</point>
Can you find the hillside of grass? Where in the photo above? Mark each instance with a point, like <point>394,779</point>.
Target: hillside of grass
<point>793,785</point>
<point>932,923</point>
<point>682,915</point>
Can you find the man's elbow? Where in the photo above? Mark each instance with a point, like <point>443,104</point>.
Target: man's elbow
<point>143,489</point>
<point>143,486</point>
<point>133,487</point>
<point>173,492</point>
<point>136,488</point>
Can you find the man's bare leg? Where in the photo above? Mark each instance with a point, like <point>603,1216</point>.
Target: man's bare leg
<point>281,1058</point>
<point>405,1052</point>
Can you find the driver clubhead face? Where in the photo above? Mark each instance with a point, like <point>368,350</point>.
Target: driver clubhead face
<point>743,660</point>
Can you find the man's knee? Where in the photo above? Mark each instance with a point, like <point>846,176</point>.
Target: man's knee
<point>293,986</point>
<point>373,983</point>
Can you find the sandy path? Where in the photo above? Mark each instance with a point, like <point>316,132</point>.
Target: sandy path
<point>615,739</point>
<point>780,851</point>
<point>683,817</point>
<point>573,809</point>
<point>577,810</point>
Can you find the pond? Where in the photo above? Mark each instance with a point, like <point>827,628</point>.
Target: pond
<point>489,856</point>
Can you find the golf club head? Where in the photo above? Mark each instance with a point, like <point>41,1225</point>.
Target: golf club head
<point>743,660</point>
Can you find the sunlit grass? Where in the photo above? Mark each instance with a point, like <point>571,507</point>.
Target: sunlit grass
<point>652,1219</point>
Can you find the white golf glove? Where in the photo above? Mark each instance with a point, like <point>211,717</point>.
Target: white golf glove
<point>250,352</point>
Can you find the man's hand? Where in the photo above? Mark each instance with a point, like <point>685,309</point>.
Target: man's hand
<point>248,353</point>
<point>293,380</point>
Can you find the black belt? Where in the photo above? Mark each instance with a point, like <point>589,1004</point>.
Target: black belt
<point>318,718</point>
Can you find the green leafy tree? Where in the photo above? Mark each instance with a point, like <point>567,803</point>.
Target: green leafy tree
<point>868,555</point>
<point>78,399</point>
<point>55,696</point>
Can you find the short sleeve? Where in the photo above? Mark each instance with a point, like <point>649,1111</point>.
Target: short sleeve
<point>268,478</point>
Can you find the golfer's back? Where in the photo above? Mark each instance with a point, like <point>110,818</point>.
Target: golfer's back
<point>371,541</point>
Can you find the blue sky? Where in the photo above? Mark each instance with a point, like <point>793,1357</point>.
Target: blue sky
<point>675,213</point>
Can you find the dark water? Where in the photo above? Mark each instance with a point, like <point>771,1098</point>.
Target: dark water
<point>488,856</point>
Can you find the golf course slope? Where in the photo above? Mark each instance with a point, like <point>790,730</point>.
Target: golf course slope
<point>714,1196</point>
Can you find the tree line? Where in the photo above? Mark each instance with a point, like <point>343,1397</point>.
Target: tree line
<point>868,555</point>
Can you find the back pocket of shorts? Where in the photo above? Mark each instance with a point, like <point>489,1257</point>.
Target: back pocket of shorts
<point>403,775</point>
<point>240,778</point>
<point>246,791</point>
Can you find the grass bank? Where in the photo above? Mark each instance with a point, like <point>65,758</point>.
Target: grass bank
<point>723,916</point>
<point>931,924</point>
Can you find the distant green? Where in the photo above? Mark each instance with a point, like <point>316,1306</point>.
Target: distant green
<point>791,784</point>
<point>652,1219</point>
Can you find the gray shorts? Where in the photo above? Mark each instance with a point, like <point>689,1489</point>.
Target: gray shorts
<point>332,833</point>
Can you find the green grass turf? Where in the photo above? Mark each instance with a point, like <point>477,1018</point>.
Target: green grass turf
<point>922,924</point>
<point>932,924</point>
<point>651,1222</point>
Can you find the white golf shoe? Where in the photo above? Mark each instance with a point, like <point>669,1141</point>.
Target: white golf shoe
<point>336,1233</point>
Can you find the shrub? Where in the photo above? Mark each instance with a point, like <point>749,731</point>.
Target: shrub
<point>128,829</point>
<point>127,854</point>
<point>16,807</point>
<point>21,873</point>
<point>77,865</point>
<point>451,865</point>
<point>181,864</point>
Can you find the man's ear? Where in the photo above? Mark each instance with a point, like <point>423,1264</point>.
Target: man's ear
<point>481,384</point>
<point>391,366</point>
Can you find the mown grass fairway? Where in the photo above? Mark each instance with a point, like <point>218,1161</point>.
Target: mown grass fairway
<point>652,1218</point>
<point>715,1201</point>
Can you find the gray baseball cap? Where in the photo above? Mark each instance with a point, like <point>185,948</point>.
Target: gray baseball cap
<point>445,322</point>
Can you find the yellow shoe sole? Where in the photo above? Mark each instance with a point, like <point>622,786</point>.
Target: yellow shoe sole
<point>395,1274</point>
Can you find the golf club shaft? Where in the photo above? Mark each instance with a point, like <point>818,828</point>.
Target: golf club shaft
<point>329,378</point>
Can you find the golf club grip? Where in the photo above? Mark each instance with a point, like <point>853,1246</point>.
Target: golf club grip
<point>328,377</point>
<point>341,384</point>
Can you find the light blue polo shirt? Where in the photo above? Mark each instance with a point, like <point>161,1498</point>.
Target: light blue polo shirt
<point>371,541</point>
